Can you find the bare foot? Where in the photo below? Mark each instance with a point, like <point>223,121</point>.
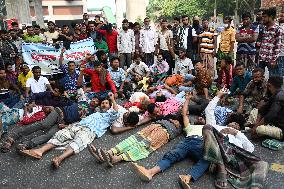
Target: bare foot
<point>185,180</point>
<point>31,153</point>
<point>56,162</point>
<point>142,172</point>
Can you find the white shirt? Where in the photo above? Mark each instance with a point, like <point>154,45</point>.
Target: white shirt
<point>37,86</point>
<point>182,66</point>
<point>148,40</point>
<point>126,41</point>
<point>183,33</point>
<point>50,36</point>
<point>239,140</point>
<point>168,35</point>
<point>140,69</point>
<point>119,121</point>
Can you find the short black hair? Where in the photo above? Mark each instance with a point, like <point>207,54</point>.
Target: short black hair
<point>14,23</point>
<point>125,21</point>
<point>28,27</point>
<point>204,19</point>
<point>99,36</point>
<point>36,26</point>
<point>255,70</point>
<point>228,18</point>
<point>71,62</point>
<point>276,81</point>
<point>246,15</point>
<point>240,64</point>
<point>136,55</point>
<point>132,118</point>
<point>270,12</point>
<point>161,98</point>
<point>177,18</point>
<point>103,99</point>
<point>58,86</point>
<point>184,16</point>
<point>136,24</point>
<point>151,108</point>
<point>114,58</point>
<point>65,26</point>
<point>97,16</point>
<point>238,118</point>
<point>35,68</point>
<point>147,18</point>
<point>164,20</point>
<point>51,22</point>
<point>100,53</point>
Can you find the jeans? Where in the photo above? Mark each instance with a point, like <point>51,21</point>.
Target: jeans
<point>188,147</point>
<point>49,124</point>
<point>187,77</point>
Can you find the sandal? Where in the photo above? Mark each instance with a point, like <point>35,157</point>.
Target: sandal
<point>185,185</point>
<point>107,157</point>
<point>96,153</point>
<point>221,178</point>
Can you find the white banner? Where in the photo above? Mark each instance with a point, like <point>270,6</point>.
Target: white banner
<point>47,57</point>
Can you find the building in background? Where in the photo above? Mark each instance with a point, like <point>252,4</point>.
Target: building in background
<point>60,11</point>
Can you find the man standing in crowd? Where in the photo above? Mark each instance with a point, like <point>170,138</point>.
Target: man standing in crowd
<point>125,44</point>
<point>30,36</point>
<point>111,38</point>
<point>136,29</point>
<point>8,50</point>
<point>207,46</point>
<point>187,36</point>
<point>175,29</point>
<point>148,40</point>
<point>246,37</point>
<point>165,43</point>
<point>271,43</point>
<point>227,43</point>
<point>51,34</point>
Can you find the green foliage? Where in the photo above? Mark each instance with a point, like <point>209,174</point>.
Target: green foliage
<point>205,8</point>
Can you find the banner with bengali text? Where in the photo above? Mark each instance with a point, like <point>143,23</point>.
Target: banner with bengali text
<point>47,56</point>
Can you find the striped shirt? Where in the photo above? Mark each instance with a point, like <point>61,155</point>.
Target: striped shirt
<point>247,48</point>
<point>271,43</point>
<point>207,41</point>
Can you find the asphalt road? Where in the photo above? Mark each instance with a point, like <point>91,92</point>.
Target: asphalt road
<point>81,171</point>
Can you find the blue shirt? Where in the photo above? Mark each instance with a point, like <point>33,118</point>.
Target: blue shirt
<point>240,82</point>
<point>118,76</point>
<point>69,81</point>
<point>99,122</point>
<point>221,114</point>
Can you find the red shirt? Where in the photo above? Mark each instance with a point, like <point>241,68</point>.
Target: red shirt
<point>96,82</point>
<point>111,40</point>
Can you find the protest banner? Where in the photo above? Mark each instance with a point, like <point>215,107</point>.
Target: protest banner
<point>47,56</point>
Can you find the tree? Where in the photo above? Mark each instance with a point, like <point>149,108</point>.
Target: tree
<point>38,12</point>
<point>204,8</point>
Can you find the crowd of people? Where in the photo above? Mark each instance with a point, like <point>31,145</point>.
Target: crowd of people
<point>165,78</point>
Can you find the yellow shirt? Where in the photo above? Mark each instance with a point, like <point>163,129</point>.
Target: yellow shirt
<point>227,37</point>
<point>22,79</point>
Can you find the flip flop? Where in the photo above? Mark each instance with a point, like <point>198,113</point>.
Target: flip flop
<point>221,177</point>
<point>140,172</point>
<point>95,153</point>
<point>273,144</point>
<point>30,153</point>
<point>106,156</point>
<point>184,184</point>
